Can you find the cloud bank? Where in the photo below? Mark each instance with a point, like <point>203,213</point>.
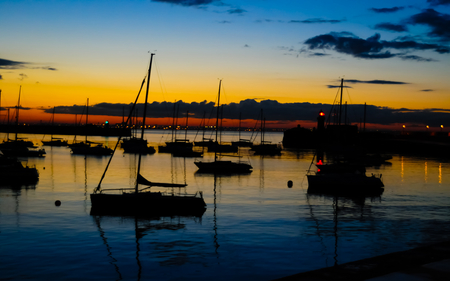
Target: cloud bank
<point>370,48</point>
<point>273,111</point>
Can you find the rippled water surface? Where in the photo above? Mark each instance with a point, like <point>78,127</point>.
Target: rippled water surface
<point>254,228</point>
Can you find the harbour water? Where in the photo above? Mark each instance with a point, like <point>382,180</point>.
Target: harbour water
<point>254,228</point>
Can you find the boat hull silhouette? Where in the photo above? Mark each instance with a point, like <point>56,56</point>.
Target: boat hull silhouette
<point>146,203</point>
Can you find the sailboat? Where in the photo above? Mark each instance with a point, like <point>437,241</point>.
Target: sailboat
<point>140,201</point>
<point>342,178</point>
<point>55,141</point>
<point>222,166</point>
<point>265,147</point>
<point>13,171</point>
<point>86,147</point>
<point>241,142</point>
<point>177,146</point>
<point>19,147</point>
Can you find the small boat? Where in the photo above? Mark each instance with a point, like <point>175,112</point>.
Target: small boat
<point>20,147</point>
<point>343,178</point>
<point>87,147</point>
<point>91,148</point>
<point>179,147</point>
<point>140,200</point>
<point>13,171</point>
<point>137,145</point>
<point>241,142</point>
<point>222,166</point>
<point>54,141</point>
<point>265,147</point>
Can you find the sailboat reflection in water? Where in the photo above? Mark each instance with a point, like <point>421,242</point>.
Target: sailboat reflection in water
<point>136,201</point>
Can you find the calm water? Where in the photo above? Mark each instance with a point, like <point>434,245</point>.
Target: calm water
<point>255,227</point>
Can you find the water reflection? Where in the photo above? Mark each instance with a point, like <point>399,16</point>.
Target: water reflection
<point>168,253</point>
<point>339,220</point>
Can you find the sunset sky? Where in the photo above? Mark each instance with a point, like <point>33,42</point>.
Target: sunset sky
<point>394,55</point>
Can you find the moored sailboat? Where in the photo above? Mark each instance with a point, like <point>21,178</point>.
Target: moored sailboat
<point>54,141</point>
<point>222,166</point>
<point>142,201</point>
<point>342,178</point>
<point>89,147</point>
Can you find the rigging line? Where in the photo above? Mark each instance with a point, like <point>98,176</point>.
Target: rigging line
<point>120,137</point>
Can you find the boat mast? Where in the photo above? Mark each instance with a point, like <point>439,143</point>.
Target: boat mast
<point>217,119</point>
<point>340,103</point>
<point>17,112</point>
<point>239,130</point>
<point>87,115</point>
<point>185,133</point>
<point>143,119</point>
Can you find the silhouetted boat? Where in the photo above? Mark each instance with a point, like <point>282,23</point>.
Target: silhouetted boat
<point>241,142</point>
<point>88,147</point>
<point>179,147</point>
<point>20,147</point>
<point>91,148</point>
<point>140,201</point>
<point>343,178</point>
<point>265,147</point>
<point>221,166</point>
<point>137,145</point>
<point>55,141</point>
<point>13,171</point>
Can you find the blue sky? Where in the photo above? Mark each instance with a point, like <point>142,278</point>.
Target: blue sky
<point>62,52</point>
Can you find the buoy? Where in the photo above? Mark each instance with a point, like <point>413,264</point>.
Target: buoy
<point>57,203</point>
<point>290,183</point>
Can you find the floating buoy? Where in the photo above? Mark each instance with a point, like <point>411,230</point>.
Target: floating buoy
<point>290,183</point>
<point>57,203</point>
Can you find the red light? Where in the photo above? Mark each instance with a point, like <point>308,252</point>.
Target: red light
<point>318,170</point>
<point>320,162</point>
<point>322,114</point>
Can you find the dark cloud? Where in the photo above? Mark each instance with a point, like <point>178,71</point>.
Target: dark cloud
<point>438,22</point>
<point>273,111</point>
<point>386,10</point>
<point>316,20</point>
<point>337,86</point>
<point>416,58</point>
<point>391,27</point>
<point>225,21</point>
<point>9,64</point>
<point>438,2</point>
<point>427,90</point>
<point>355,81</point>
<point>188,2</point>
<point>370,48</point>
<point>236,11</point>
<point>246,46</point>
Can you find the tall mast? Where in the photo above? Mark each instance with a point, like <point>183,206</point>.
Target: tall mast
<point>146,95</point>
<point>217,119</point>
<point>143,119</point>
<point>87,115</point>
<point>173,118</point>
<point>340,103</point>
<point>239,130</point>
<point>262,127</point>
<point>17,112</point>
<point>185,133</point>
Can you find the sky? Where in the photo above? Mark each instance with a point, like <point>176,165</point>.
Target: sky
<point>285,57</point>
